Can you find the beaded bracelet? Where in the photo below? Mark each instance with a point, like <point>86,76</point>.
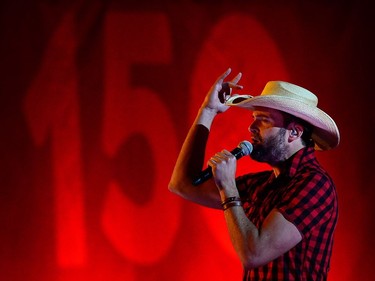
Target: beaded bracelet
<point>231,202</point>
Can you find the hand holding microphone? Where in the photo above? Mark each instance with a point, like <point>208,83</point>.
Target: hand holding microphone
<point>244,148</point>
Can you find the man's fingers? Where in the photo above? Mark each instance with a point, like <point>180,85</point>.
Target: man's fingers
<point>236,86</point>
<point>221,78</point>
<point>233,83</point>
<point>237,78</point>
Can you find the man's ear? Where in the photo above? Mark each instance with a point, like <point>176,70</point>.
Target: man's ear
<point>295,130</point>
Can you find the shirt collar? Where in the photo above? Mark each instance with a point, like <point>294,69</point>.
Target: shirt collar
<point>298,160</point>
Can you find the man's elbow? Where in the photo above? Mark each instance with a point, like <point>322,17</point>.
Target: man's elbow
<point>249,261</point>
<point>172,187</point>
<point>249,264</point>
<point>176,186</point>
<point>252,259</point>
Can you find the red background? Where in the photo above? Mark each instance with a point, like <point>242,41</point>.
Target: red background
<point>97,97</point>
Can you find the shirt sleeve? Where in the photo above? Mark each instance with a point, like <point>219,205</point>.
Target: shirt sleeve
<point>309,202</point>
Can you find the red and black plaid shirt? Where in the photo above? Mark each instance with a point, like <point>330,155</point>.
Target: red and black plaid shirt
<point>306,196</point>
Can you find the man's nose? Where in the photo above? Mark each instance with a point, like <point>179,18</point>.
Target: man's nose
<point>252,128</point>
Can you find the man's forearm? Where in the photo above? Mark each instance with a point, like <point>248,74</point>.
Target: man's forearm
<point>190,162</point>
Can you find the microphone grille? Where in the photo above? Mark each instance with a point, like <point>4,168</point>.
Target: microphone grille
<point>246,147</point>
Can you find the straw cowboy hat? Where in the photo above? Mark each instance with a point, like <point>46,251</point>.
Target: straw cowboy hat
<point>296,101</point>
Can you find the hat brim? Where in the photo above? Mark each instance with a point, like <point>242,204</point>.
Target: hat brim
<point>325,134</point>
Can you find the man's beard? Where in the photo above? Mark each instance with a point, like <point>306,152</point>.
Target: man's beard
<point>272,150</point>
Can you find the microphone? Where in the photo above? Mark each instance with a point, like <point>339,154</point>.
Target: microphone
<point>244,148</point>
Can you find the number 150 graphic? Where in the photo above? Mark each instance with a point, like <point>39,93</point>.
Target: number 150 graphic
<point>52,111</point>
